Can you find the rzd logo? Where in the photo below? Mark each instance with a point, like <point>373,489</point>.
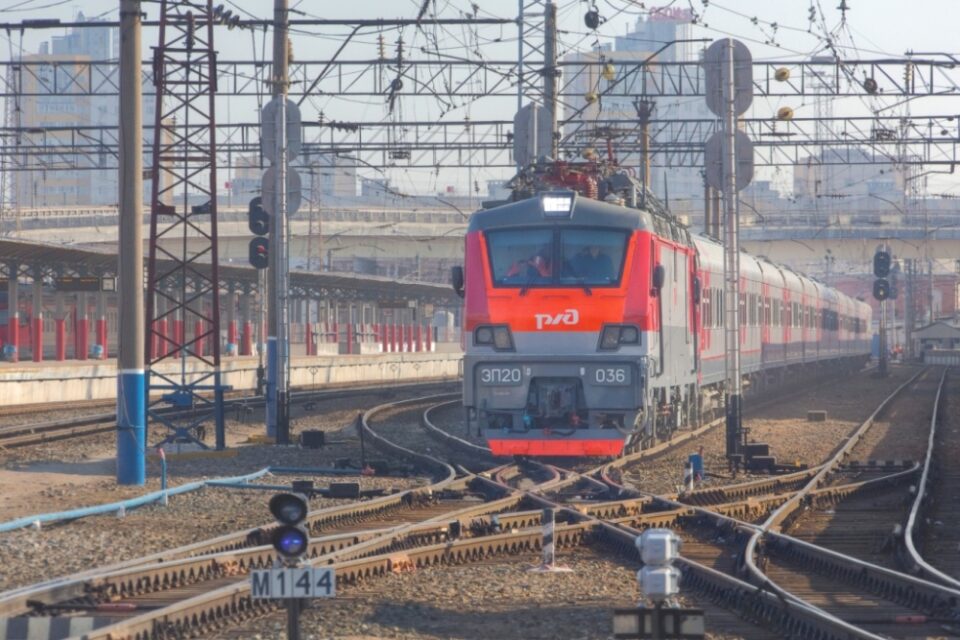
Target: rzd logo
<point>569,317</point>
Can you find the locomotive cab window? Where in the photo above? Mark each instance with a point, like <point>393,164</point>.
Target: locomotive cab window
<point>521,257</point>
<point>568,257</point>
<point>591,256</point>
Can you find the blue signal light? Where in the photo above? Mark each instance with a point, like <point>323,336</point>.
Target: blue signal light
<point>290,542</point>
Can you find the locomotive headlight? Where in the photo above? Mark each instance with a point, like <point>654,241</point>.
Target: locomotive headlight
<point>614,335</point>
<point>610,338</point>
<point>483,335</point>
<point>629,335</point>
<point>497,336</point>
<point>502,340</point>
<point>557,204</point>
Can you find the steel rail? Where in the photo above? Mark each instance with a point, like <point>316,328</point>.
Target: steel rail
<point>732,593</point>
<point>924,567</point>
<point>224,601</point>
<point>893,585</point>
<point>23,435</point>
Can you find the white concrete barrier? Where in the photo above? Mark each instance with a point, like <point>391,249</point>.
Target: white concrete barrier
<point>29,383</point>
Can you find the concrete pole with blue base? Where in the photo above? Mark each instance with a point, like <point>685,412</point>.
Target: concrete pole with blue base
<point>131,381</point>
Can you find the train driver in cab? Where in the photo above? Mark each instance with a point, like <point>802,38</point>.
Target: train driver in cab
<point>593,265</point>
<point>536,269</point>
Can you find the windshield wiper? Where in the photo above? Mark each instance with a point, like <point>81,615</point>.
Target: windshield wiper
<point>586,288</point>
<point>526,285</point>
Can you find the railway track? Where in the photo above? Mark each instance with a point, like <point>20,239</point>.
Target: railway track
<point>931,538</point>
<point>15,436</point>
<point>464,517</point>
<point>447,521</point>
<point>875,599</point>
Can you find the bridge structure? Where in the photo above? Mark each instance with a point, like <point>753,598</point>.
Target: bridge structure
<point>394,241</point>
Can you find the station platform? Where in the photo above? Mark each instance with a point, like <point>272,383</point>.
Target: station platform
<point>27,383</point>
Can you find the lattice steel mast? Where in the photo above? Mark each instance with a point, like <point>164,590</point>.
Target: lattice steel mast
<point>184,179</point>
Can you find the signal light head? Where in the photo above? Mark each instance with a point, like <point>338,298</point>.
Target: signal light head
<point>881,263</point>
<point>881,289</point>
<point>290,541</point>
<point>289,508</point>
<point>259,253</point>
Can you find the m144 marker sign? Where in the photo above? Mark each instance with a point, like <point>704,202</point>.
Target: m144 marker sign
<point>293,582</point>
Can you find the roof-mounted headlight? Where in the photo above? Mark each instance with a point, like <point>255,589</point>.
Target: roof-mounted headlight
<point>557,204</point>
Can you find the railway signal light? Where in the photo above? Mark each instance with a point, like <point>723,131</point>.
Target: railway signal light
<point>290,538</point>
<point>257,218</point>
<point>881,263</point>
<point>259,253</point>
<point>881,289</point>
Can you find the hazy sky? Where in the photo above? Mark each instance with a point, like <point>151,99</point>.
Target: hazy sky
<point>873,29</point>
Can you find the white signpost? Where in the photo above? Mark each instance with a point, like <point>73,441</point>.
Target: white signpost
<point>293,582</point>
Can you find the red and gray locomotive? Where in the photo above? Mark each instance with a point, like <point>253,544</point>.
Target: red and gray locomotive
<point>594,324</point>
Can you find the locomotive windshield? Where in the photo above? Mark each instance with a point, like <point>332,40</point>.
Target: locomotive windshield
<point>528,257</point>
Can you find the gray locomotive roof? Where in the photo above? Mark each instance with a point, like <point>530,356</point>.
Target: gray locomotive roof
<point>586,212</point>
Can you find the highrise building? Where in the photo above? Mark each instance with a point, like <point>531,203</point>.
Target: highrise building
<point>662,28</point>
<point>53,106</point>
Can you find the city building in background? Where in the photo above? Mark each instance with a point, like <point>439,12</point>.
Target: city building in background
<point>48,109</point>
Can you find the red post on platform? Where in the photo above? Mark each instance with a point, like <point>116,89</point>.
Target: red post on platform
<point>246,345</point>
<point>102,336</point>
<point>83,336</point>
<point>177,336</point>
<point>232,334</point>
<point>60,338</point>
<point>394,338</point>
<point>429,338</point>
<point>13,336</point>
<point>37,338</point>
<point>199,342</point>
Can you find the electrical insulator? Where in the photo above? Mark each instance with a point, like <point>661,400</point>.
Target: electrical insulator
<point>591,97</point>
<point>784,113</point>
<point>609,72</point>
<point>782,74</point>
<point>592,18</point>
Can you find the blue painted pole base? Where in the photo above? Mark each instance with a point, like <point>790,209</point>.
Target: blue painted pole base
<point>131,428</point>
